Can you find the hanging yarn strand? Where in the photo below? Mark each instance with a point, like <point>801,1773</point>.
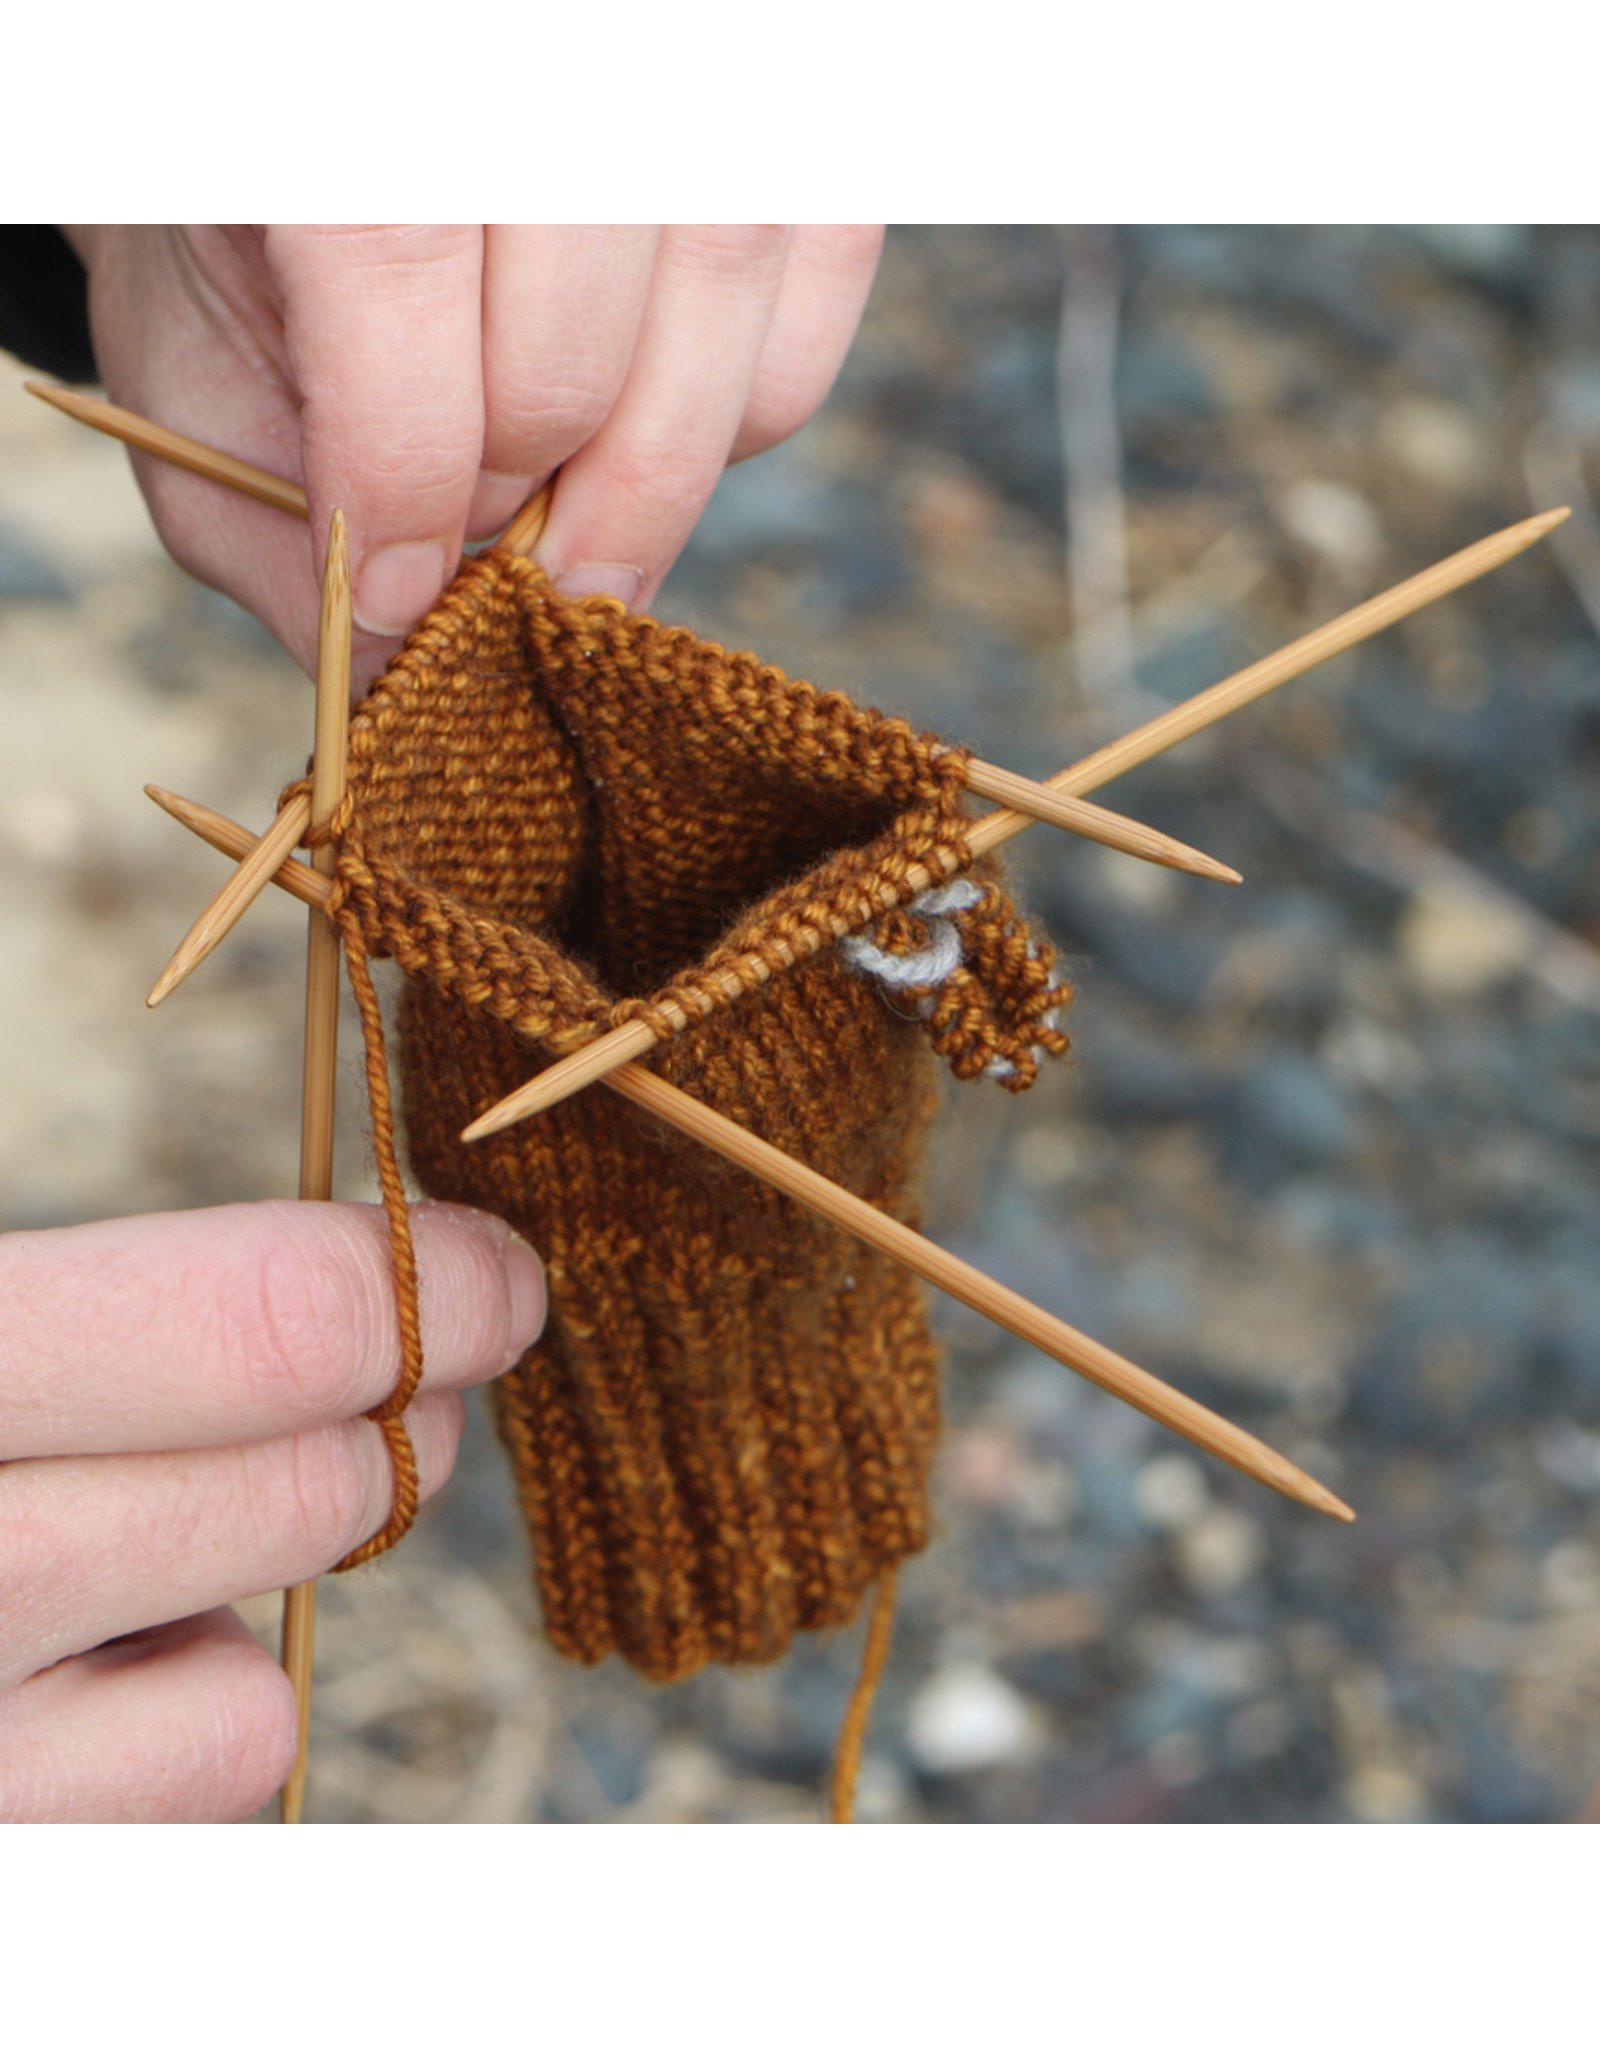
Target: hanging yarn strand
<point>853,1729</point>
<point>390,1413</point>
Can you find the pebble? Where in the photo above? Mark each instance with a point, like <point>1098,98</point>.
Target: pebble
<point>1333,519</point>
<point>1383,1792</point>
<point>1172,1492</point>
<point>1220,1551</point>
<point>967,1718</point>
<point>1459,945</point>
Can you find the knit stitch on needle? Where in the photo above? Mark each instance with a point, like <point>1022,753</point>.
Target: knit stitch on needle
<point>563,817</point>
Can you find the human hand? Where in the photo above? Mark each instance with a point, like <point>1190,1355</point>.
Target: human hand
<point>429,379</point>
<point>180,1409</point>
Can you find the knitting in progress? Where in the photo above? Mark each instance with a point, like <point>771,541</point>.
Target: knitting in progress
<point>605,851</point>
<point>562,817</point>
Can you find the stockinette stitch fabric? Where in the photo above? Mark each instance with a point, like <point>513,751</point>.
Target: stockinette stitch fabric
<point>562,816</point>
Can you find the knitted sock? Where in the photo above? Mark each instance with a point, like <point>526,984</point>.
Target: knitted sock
<point>563,816</point>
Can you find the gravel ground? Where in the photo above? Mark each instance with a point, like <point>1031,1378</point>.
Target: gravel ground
<point>1325,1153</point>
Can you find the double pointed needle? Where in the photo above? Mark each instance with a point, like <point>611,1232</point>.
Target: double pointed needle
<point>613,1050</point>
<point>321,1045</point>
<point>123,425</point>
<point>235,896</point>
<point>1083,1354</point>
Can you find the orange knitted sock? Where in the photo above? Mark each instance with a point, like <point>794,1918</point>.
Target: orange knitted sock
<point>563,815</point>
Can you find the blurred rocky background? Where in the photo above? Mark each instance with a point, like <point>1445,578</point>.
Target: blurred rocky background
<point>1328,1150</point>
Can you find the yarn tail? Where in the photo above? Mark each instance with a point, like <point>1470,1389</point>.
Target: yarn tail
<point>853,1731</point>
<point>389,1415</point>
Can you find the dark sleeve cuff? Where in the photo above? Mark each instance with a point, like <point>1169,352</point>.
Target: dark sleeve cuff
<point>44,303</point>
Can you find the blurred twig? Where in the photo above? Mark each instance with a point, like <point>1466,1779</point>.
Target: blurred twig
<point>1091,460</point>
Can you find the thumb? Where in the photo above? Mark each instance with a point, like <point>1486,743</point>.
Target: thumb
<point>384,332</point>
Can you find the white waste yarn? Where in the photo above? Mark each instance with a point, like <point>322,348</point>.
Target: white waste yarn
<point>938,908</point>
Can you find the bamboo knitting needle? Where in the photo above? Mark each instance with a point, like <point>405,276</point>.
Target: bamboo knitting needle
<point>321,1048</point>
<point>1035,799</point>
<point>292,876</point>
<point>1040,802</point>
<point>235,897</point>
<point>1083,1354</point>
<point>127,426</point>
<point>630,1041</point>
<point>218,468</point>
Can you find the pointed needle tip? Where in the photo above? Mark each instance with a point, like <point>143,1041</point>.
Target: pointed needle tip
<point>75,404</point>
<point>1548,521</point>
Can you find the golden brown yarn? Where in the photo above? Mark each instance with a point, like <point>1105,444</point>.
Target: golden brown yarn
<point>563,816</point>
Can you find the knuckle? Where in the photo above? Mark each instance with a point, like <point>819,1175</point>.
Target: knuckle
<point>667,484</point>
<point>35,1588</point>
<point>533,416</point>
<point>318,1494</point>
<point>298,1329</point>
<point>438,1423</point>
<point>410,451</point>
<point>723,250</point>
<point>254,1720</point>
<point>856,248</point>
<point>360,253</point>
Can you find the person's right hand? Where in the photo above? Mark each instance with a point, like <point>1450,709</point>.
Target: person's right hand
<point>180,1414</point>
<point>427,378</point>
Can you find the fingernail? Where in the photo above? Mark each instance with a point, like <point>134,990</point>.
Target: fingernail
<point>525,1283</point>
<point>601,579</point>
<point>398,583</point>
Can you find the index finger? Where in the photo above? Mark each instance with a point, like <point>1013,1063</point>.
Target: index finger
<point>236,1325</point>
<point>384,328</point>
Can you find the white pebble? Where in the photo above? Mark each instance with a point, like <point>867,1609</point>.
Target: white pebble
<point>966,1719</point>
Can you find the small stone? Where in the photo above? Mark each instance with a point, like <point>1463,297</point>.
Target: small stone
<point>1571,1577</point>
<point>1171,1492</point>
<point>1382,1792</point>
<point>1331,518</point>
<point>983,1465</point>
<point>1046,1497</point>
<point>1436,441</point>
<point>1457,945</point>
<point>967,1719</point>
<point>1220,1551</point>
